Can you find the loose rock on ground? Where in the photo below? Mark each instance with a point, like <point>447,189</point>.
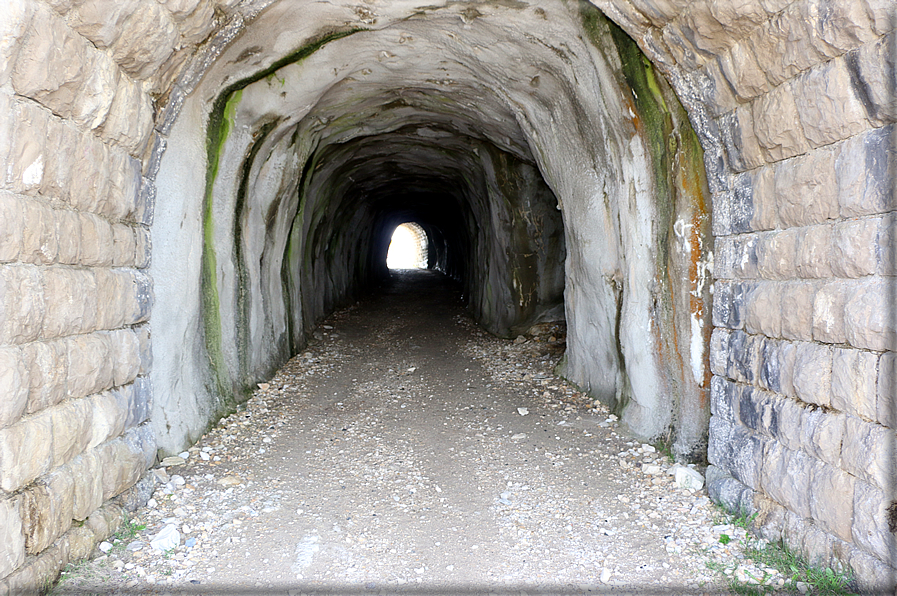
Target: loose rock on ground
<point>406,447</point>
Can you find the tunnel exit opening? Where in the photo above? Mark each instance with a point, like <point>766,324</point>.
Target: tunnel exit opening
<point>408,247</point>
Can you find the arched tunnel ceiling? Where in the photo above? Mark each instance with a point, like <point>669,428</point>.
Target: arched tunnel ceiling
<point>507,129</point>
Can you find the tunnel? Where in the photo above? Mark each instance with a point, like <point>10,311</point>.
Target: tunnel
<point>701,191</point>
<point>569,187</point>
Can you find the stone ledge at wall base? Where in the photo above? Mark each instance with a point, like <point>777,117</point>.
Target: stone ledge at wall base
<point>38,573</point>
<point>800,535</point>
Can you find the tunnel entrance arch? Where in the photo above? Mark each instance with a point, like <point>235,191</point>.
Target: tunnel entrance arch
<point>408,247</point>
<point>550,187</point>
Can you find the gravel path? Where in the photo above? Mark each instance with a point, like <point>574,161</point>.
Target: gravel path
<point>407,450</point>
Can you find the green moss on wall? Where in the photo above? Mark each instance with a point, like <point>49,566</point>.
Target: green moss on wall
<point>220,123</point>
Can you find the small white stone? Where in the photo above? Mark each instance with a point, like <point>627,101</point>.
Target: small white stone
<point>605,575</point>
<point>105,546</point>
<point>523,411</point>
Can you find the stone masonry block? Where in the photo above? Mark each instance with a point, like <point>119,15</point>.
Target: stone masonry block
<point>782,46</point>
<point>97,241</point>
<point>125,355</point>
<point>814,252</point>
<point>39,241</point>
<point>744,357</point>
<point>777,126</point>
<point>140,401</point>
<point>746,263</point>
<point>868,315</point>
<point>12,538</point>
<point>71,296</point>
<point>114,291</point>
<point>886,407</point>
<point>854,246</point>
<point>741,142</point>
<point>143,298</point>
<point>89,363</point>
<point>821,434</point>
<point>870,529</point>
<point>725,255</point>
<point>763,309</point>
<point>722,303</point>
<point>853,382</point>
<point>146,348</point>
<point>765,213</point>
<point>101,21</point>
<point>109,414</point>
<point>780,463</point>
<point>771,363</point>
<point>797,310</point>
<point>723,399</point>
<point>7,128</point>
<point>68,234</point>
<point>47,509</point>
<point>828,312</point>
<point>14,22</point>
<point>806,190</point>
<point>717,94</point>
<point>71,429</point>
<point>838,26</point>
<point>813,373</point>
<point>735,450</point>
<point>48,371</point>
<point>143,247</point>
<point>97,91</point>
<point>743,72</point>
<point>88,489</point>
<point>754,408</point>
<point>124,245</point>
<point>90,173</point>
<point>777,254</point>
<point>11,227</point>
<point>28,150</point>
<point>788,416</point>
<point>14,384</point>
<point>122,467</point>
<point>52,63</point>
<point>123,189</point>
<point>863,177</point>
<point>142,442</point>
<point>741,209</point>
<point>872,68</point>
<point>148,37</point>
<point>831,499</point>
<point>62,143</point>
<point>23,302</point>
<point>828,104</point>
<point>719,351</point>
<point>868,452</point>
<point>25,451</point>
<point>130,119</point>
<point>886,246</point>
<point>676,39</point>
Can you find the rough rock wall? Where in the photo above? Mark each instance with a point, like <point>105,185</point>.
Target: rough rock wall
<point>794,103</point>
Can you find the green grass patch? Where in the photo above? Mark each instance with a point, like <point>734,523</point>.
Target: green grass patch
<point>800,576</point>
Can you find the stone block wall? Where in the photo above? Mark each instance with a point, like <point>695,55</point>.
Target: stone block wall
<point>78,85</point>
<point>794,101</point>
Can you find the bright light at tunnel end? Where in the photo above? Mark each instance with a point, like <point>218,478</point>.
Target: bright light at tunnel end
<point>408,248</point>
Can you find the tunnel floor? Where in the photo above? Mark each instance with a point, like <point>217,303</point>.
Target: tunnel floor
<point>407,448</point>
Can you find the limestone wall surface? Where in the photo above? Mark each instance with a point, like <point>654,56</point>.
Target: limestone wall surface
<point>793,102</point>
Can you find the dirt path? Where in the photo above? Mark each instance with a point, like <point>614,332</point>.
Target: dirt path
<point>407,448</point>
